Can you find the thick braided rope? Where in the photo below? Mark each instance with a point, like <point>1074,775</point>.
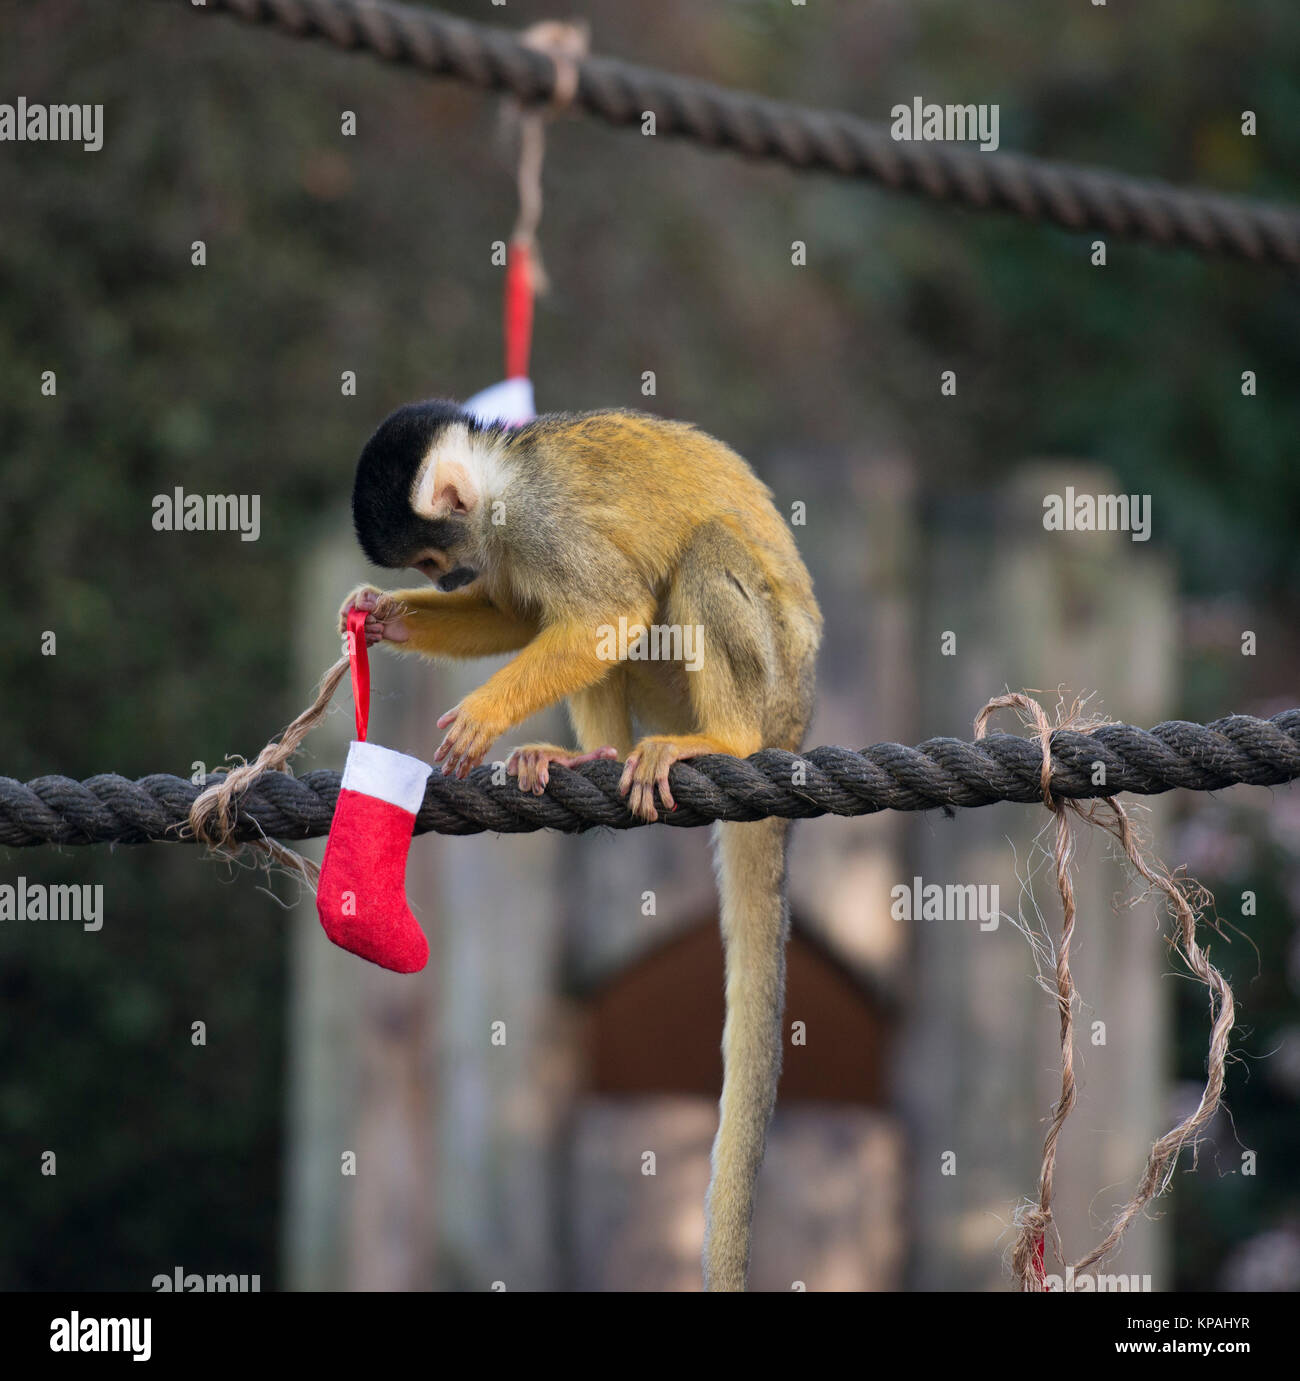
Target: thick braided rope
<point>835,781</point>
<point>1076,197</point>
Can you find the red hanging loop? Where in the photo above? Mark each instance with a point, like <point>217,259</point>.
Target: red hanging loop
<point>359,657</point>
<point>518,308</point>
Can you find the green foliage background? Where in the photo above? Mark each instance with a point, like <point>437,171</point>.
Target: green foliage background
<point>373,254</point>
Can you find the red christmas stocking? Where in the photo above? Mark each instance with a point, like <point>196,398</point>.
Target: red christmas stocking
<point>361,896</point>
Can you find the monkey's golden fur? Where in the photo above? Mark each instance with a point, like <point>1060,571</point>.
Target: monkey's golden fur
<point>615,515</point>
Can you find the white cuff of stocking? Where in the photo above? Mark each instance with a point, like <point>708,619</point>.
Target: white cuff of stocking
<point>389,776</point>
<point>509,402</point>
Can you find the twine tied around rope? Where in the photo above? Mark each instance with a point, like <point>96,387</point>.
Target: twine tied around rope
<point>1034,1221</point>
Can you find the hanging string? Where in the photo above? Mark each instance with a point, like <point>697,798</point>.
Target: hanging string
<point>566,44</point>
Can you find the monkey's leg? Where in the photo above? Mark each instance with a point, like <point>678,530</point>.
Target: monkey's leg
<point>600,717</point>
<point>717,606</point>
<point>600,714</point>
<point>563,660</point>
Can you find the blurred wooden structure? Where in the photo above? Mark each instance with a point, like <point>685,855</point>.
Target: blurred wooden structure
<point>641,1028</point>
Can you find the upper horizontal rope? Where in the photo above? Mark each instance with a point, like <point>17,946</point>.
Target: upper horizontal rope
<point>939,772</point>
<point>1076,197</point>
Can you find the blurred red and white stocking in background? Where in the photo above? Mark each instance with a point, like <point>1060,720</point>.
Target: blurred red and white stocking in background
<point>511,401</point>
<point>361,895</point>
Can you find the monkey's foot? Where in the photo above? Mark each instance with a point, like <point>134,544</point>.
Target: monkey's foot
<point>647,767</point>
<point>532,763</point>
<point>648,764</point>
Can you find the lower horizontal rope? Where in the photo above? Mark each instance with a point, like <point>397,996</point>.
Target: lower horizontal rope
<point>1239,749</point>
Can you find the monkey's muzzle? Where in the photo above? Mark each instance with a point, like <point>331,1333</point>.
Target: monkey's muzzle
<point>454,579</point>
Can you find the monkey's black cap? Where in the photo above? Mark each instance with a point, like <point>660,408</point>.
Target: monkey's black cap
<point>389,530</point>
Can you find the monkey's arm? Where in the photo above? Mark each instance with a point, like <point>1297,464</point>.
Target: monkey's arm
<point>562,660</point>
<point>460,625</point>
<point>463,624</point>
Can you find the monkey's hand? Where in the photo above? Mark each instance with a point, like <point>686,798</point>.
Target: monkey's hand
<point>532,763</point>
<point>391,629</point>
<point>471,731</point>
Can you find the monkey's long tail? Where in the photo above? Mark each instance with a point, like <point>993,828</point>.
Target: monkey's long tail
<point>750,861</point>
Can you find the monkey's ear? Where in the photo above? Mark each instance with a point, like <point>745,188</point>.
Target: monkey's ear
<point>452,491</point>
<point>448,497</point>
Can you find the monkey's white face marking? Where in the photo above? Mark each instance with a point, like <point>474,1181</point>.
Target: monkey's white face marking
<point>460,461</point>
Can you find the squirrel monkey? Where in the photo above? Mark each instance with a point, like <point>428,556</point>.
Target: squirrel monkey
<point>566,540</point>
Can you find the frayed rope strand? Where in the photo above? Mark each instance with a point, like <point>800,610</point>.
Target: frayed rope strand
<point>212,817</point>
<point>1034,1222</point>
